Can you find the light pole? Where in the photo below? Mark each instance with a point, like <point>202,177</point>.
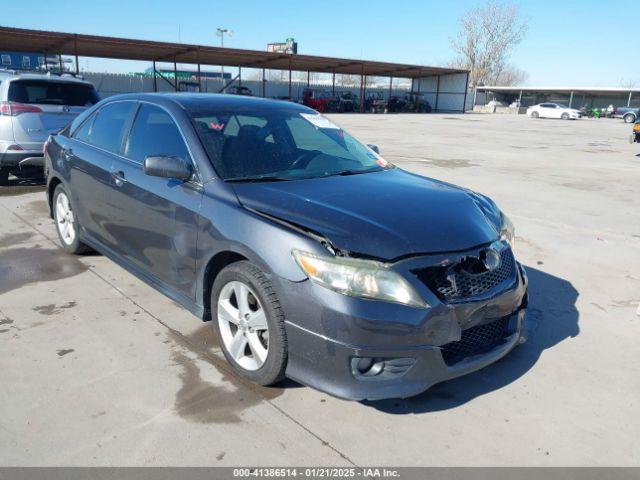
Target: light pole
<point>220,33</point>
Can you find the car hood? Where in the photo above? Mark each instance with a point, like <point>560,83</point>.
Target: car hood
<point>386,215</point>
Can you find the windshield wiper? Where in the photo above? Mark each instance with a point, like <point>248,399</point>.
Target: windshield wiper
<point>264,178</point>
<point>345,173</point>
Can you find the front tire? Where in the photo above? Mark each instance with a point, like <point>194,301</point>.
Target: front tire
<point>535,115</point>
<point>565,116</point>
<point>67,224</point>
<point>249,321</point>
<point>629,118</point>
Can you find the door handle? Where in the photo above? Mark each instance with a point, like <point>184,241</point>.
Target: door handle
<point>118,177</point>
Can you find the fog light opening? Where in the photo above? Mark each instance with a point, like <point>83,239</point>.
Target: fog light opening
<point>368,366</point>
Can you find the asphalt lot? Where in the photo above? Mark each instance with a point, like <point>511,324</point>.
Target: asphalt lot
<point>100,369</point>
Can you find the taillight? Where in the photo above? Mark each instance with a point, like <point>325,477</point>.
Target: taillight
<point>13,109</point>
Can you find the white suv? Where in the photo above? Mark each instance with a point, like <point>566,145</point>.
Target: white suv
<point>32,107</point>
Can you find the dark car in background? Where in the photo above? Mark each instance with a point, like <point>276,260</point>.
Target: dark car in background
<point>628,114</point>
<point>312,256</point>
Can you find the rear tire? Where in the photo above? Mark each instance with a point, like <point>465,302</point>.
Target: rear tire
<point>4,176</point>
<point>244,347</point>
<point>67,224</point>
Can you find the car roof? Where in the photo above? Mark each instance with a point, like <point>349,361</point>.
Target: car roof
<point>197,101</point>
<point>9,75</point>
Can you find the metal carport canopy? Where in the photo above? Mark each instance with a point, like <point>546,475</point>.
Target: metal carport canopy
<point>23,40</point>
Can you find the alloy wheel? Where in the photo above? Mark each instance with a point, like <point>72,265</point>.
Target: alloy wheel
<point>64,219</point>
<point>243,325</point>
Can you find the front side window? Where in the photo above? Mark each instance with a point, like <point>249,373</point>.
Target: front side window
<point>109,126</point>
<point>6,60</point>
<point>154,133</point>
<point>26,61</point>
<point>281,144</point>
<point>53,93</point>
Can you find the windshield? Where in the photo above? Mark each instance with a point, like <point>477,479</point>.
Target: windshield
<point>53,93</point>
<point>273,144</point>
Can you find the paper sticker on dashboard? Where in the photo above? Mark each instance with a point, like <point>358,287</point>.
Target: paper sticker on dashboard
<point>319,121</point>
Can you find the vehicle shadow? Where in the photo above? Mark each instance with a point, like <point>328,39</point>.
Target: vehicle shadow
<point>551,318</point>
<point>28,178</point>
<point>21,185</point>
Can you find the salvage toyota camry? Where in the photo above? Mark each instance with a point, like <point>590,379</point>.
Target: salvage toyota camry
<point>313,257</point>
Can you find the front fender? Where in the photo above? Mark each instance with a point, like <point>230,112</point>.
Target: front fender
<point>227,226</point>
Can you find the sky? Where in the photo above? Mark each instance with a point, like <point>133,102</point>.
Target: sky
<point>569,42</point>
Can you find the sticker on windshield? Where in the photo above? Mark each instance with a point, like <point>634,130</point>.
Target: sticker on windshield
<point>319,121</point>
<point>376,156</point>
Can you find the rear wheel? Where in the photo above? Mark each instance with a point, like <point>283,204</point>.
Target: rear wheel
<point>67,223</point>
<point>4,176</point>
<point>250,323</point>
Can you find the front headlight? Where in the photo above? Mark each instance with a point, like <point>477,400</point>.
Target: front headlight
<point>507,230</point>
<point>358,278</point>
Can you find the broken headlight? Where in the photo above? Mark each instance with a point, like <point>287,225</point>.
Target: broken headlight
<point>507,231</point>
<point>358,278</point>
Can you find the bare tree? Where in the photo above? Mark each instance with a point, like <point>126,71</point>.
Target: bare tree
<point>511,75</point>
<point>488,35</point>
<point>628,83</point>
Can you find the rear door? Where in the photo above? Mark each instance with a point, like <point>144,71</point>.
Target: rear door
<point>156,219</point>
<point>546,110</point>
<point>44,107</point>
<point>89,157</point>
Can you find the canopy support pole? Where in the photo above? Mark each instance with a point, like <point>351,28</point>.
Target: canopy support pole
<point>155,78</point>
<point>175,75</point>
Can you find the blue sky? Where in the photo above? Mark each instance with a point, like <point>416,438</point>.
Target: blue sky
<point>570,42</point>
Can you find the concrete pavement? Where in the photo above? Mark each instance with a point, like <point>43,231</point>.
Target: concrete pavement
<point>100,369</point>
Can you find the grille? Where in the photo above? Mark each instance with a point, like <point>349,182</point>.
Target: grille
<point>460,281</point>
<point>475,341</point>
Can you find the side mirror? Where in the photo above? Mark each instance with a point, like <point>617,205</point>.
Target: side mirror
<point>168,167</point>
<point>374,148</point>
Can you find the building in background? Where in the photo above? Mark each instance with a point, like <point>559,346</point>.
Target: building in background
<point>186,74</point>
<point>33,61</point>
<point>577,97</point>
<point>289,46</point>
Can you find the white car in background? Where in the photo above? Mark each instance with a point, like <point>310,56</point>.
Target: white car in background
<point>553,110</point>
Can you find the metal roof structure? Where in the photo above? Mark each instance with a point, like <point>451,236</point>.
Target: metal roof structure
<point>23,40</point>
<point>591,90</point>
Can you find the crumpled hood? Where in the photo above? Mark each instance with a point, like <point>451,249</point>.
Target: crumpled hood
<point>386,215</point>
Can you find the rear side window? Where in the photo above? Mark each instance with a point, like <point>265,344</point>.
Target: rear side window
<point>154,133</point>
<point>83,133</point>
<point>52,93</point>
<point>108,127</point>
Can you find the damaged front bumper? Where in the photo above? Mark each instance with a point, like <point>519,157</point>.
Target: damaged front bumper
<point>361,349</point>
